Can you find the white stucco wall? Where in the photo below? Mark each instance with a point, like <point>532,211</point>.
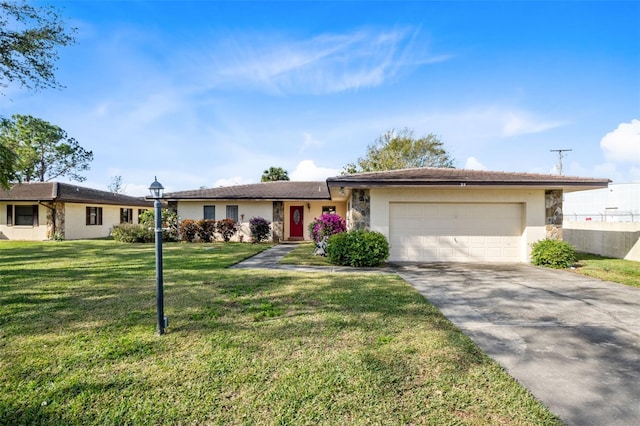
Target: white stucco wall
<point>612,239</point>
<point>194,210</point>
<point>76,227</point>
<point>15,232</point>
<point>533,201</point>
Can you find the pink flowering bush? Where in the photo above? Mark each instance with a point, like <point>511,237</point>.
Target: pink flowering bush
<point>326,225</point>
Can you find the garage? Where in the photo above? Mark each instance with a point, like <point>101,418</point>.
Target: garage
<point>455,232</point>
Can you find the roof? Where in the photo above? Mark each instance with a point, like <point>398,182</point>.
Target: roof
<point>278,190</point>
<point>64,192</point>
<point>430,176</point>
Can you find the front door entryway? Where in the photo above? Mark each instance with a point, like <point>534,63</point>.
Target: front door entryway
<point>296,222</point>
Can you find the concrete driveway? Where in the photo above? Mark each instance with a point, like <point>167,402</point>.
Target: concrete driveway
<point>574,342</point>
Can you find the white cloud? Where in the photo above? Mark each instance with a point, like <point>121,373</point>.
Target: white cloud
<point>521,123</point>
<point>473,164</point>
<point>307,170</point>
<point>327,63</point>
<point>623,144</point>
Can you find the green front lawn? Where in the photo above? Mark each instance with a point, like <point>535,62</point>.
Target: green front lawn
<point>303,255</point>
<point>616,270</point>
<point>78,344</point>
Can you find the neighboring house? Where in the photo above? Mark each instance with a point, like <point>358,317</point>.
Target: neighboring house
<point>46,210</point>
<point>427,214</point>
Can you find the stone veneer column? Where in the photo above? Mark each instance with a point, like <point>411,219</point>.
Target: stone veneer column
<point>553,213</point>
<point>277,226</point>
<point>360,212</point>
<point>55,220</point>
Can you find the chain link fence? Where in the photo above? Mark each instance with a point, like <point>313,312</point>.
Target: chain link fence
<point>606,216</point>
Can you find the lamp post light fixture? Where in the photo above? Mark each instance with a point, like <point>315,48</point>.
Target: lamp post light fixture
<point>156,190</point>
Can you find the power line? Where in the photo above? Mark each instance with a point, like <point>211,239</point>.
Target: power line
<point>560,156</point>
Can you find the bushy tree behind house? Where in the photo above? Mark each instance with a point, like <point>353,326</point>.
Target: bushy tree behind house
<point>326,225</point>
<point>43,150</point>
<point>553,254</point>
<point>400,149</point>
<point>260,229</point>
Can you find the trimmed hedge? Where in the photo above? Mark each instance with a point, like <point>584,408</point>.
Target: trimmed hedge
<point>357,248</point>
<point>130,233</point>
<point>553,254</point>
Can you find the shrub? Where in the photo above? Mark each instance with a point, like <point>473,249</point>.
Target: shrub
<point>171,228</point>
<point>260,229</point>
<point>206,230</point>
<point>326,225</point>
<point>132,233</point>
<point>553,254</point>
<point>226,227</point>
<point>188,230</point>
<point>358,248</point>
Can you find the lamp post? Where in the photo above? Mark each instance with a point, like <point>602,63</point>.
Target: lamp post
<point>156,190</point>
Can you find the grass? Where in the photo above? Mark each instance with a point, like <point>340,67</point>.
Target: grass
<point>303,255</point>
<point>617,270</point>
<point>78,344</point>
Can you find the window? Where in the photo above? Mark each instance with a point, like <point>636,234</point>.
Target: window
<point>22,215</point>
<point>328,209</point>
<point>126,215</point>
<point>94,215</point>
<point>232,212</point>
<point>209,212</point>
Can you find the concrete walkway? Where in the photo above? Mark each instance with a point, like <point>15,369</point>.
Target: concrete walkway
<point>269,259</point>
<point>574,342</point>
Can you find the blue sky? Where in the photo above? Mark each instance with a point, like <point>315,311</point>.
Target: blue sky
<point>209,93</point>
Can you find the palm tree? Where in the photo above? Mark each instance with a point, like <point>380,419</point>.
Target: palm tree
<point>273,174</point>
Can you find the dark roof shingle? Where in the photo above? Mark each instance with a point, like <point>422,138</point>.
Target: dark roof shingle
<point>429,176</point>
<point>278,190</point>
<point>64,192</point>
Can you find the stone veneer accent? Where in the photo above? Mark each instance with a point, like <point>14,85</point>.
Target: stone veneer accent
<point>553,213</point>
<point>359,215</point>
<point>55,220</point>
<point>277,227</point>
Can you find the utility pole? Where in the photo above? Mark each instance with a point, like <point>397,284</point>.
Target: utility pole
<point>560,156</point>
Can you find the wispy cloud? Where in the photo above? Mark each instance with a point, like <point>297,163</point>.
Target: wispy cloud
<point>522,123</point>
<point>326,63</point>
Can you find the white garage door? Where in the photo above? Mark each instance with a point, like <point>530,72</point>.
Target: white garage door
<point>458,232</point>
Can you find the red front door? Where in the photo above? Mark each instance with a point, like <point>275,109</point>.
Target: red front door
<point>296,220</point>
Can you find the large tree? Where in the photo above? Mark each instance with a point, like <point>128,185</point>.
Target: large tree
<point>44,151</point>
<point>8,161</point>
<point>29,38</point>
<point>273,174</point>
<point>401,150</point>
